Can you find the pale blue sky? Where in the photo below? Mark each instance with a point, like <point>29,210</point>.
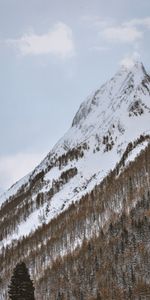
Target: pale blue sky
<point>52,55</point>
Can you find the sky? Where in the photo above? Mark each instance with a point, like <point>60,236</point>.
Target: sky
<point>52,55</point>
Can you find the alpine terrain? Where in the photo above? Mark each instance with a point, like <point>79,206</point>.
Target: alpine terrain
<point>81,219</point>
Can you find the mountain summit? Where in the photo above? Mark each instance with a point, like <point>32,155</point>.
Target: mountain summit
<point>107,121</point>
<point>115,88</point>
<point>109,131</point>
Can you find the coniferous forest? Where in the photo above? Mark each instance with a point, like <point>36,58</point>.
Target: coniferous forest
<point>113,221</point>
<point>21,286</point>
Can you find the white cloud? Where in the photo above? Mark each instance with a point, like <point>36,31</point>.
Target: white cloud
<point>129,60</point>
<point>122,33</point>
<point>14,167</point>
<point>1,190</point>
<point>58,41</point>
<point>139,22</point>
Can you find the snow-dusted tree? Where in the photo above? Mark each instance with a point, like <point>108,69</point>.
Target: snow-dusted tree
<point>21,286</point>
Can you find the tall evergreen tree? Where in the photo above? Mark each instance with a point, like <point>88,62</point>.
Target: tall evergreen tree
<point>21,286</point>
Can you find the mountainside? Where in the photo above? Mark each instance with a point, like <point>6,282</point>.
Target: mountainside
<point>75,181</point>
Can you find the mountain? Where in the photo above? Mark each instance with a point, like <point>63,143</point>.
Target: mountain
<point>101,130</point>
<point>106,138</point>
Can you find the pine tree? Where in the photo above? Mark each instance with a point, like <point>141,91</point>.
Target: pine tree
<point>21,286</point>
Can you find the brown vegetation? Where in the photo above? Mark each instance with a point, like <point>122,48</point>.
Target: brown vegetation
<point>113,225</point>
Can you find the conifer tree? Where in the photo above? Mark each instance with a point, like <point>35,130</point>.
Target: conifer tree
<point>21,286</point>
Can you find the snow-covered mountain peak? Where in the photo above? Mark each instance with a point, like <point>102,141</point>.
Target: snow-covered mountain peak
<point>111,118</point>
<point>134,66</point>
<point>125,79</point>
<point>109,131</point>
<point>113,109</point>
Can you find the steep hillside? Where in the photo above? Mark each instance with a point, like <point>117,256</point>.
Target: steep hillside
<point>98,248</point>
<point>113,221</point>
<point>51,211</point>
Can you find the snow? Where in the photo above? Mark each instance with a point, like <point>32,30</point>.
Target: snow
<point>23,229</point>
<point>104,113</point>
<point>134,153</point>
<point>14,189</point>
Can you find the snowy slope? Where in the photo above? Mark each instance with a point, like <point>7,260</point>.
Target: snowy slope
<point>112,117</point>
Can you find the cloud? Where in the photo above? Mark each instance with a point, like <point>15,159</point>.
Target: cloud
<point>139,22</point>
<point>58,41</point>
<point>129,60</point>
<point>113,32</point>
<point>122,33</point>
<point>14,167</point>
